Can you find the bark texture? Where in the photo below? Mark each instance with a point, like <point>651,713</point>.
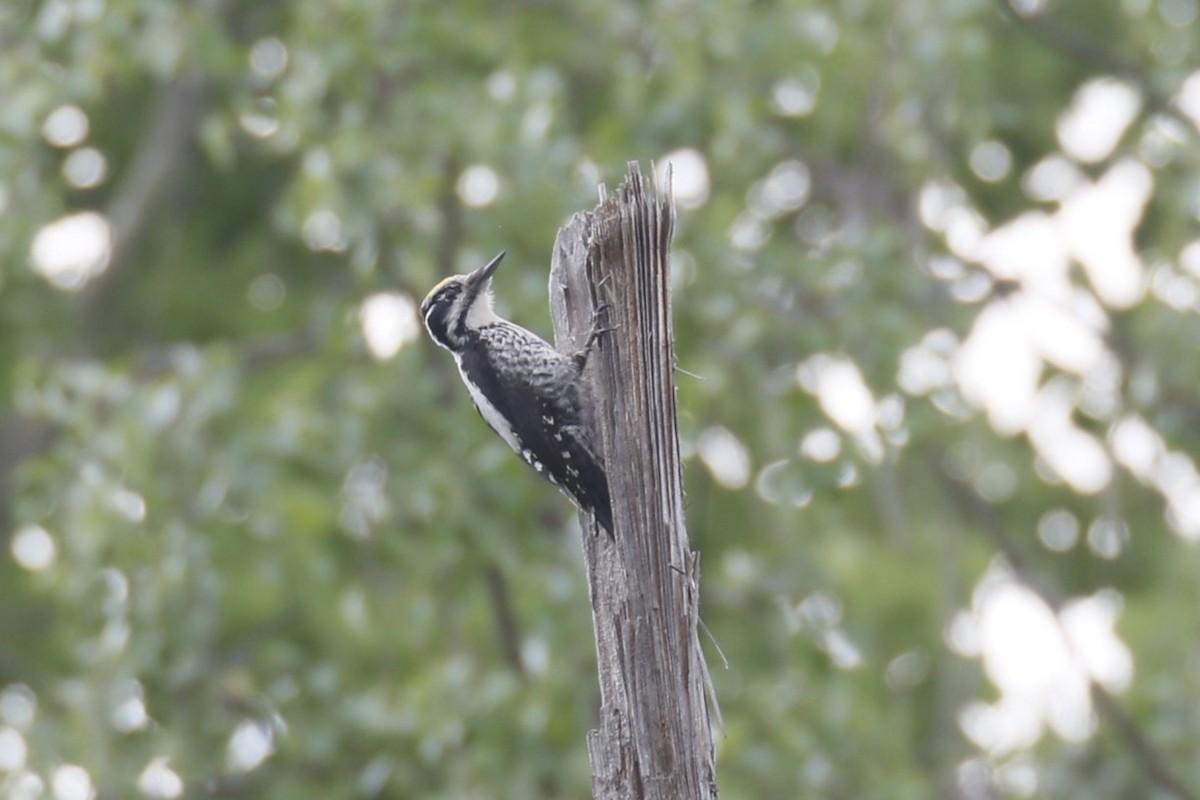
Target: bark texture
<point>611,272</point>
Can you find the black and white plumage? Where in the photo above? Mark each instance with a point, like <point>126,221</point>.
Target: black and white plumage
<point>528,392</point>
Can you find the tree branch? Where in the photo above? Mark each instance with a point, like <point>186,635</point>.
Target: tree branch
<point>162,156</point>
<point>654,739</point>
<point>1149,757</point>
<point>1093,55</point>
<point>507,631</point>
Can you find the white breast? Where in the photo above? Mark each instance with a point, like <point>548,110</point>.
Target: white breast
<point>488,411</point>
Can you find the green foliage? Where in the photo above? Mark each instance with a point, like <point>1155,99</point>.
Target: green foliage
<point>244,556</point>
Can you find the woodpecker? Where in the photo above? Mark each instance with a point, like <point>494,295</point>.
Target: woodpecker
<point>525,390</point>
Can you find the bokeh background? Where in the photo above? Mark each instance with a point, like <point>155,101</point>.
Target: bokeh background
<point>937,277</point>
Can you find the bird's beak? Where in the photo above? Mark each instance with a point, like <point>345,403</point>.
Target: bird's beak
<point>481,276</point>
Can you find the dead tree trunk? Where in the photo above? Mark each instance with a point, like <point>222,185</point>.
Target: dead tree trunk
<point>611,269</point>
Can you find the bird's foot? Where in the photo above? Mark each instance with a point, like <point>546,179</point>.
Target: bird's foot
<point>581,356</point>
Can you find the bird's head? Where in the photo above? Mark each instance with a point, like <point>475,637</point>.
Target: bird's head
<point>460,304</point>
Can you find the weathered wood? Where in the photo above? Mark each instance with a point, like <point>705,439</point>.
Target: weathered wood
<point>611,268</point>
